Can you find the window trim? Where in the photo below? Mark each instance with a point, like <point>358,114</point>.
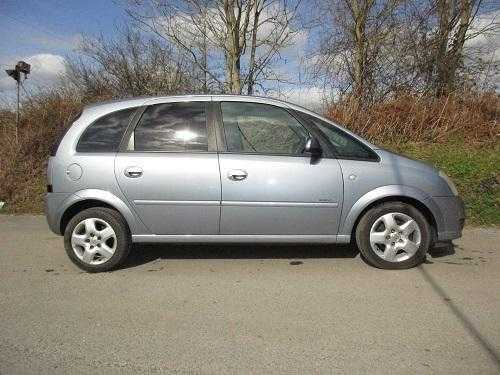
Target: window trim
<point>376,157</point>
<point>130,129</point>
<point>99,118</point>
<point>311,130</point>
<point>211,141</point>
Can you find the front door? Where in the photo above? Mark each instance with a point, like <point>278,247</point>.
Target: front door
<point>170,170</point>
<point>269,187</point>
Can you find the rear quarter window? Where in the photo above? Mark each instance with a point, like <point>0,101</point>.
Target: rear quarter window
<point>105,134</point>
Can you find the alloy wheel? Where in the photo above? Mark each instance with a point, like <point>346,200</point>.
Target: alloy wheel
<point>395,237</point>
<point>93,241</point>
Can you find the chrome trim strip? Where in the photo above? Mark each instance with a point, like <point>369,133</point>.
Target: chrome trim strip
<point>176,203</point>
<point>343,238</point>
<point>280,204</point>
<point>141,202</point>
<point>234,238</point>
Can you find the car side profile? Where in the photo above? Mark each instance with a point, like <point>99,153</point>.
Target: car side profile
<point>225,168</point>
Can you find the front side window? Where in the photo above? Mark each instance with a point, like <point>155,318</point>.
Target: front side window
<point>262,128</point>
<point>105,134</point>
<point>172,127</point>
<point>346,147</point>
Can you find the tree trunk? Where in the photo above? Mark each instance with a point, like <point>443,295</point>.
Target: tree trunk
<point>450,45</point>
<point>444,29</point>
<point>233,45</point>
<point>359,61</point>
<point>359,9</point>
<point>251,68</point>
<point>236,75</point>
<point>204,51</point>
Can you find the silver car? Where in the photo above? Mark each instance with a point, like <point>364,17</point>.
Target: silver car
<point>238,169</point>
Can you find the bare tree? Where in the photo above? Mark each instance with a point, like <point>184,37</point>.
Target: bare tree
<point>435,43</point>
<point>352,45</point>
<point>272,31</point>
<point>237,19</point>
<point>257,10</point>
<point>233,42</point>
<point>129,66</point>
<point>374,48</point>
<point>454,20</point>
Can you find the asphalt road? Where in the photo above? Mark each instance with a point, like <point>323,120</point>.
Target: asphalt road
<point>246,309</point>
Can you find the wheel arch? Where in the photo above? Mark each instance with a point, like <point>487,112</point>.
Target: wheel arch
<point>79,206</point>
<point>411,201</point>
<point>412,196</point>
<point>97,198</point>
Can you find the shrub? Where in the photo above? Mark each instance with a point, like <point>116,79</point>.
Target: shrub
<point>22,164</point>
<point>472,118</point>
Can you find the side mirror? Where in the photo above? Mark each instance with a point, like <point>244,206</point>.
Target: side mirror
<point>313,147</point>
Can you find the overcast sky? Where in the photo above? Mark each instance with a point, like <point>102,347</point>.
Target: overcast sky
<point>45,33</point>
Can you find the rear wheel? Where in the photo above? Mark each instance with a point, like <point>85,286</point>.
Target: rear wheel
<point>97,239</point>
<point>393,235</point>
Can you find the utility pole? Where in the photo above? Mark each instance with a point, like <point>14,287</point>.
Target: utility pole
<point>21,67</point>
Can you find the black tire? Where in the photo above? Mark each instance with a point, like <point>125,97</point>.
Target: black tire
<point>118,224</point>
<point>366,223</point>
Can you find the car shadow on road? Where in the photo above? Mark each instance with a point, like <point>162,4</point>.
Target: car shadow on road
<point>442,250</point>
<point>146,253</point>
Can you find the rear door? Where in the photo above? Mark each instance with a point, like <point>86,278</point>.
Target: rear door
<point>269,186</point>
<point>169,170</point>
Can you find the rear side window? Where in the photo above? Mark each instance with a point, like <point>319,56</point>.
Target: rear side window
<point>172,127</point>
<point>105,134</point>
<point>346,147</point>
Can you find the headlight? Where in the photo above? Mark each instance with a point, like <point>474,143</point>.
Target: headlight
<point>450,183</point>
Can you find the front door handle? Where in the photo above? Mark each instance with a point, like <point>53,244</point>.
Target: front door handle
<point>133,172</point>
<point>237,174</point>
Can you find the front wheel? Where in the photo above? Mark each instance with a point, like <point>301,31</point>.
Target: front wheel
<point>97,239</point>
<point>393,235</point>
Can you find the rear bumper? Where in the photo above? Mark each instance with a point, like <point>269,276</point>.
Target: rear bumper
<point>453,217</point>
<point>53,210</point>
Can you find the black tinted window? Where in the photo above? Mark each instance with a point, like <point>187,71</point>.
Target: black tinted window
<point>346,147</point>
<point>105,134</point>
<point>262,128</point>
<point>172,127</point>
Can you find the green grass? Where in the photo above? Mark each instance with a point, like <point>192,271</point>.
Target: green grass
<point>474,170</point>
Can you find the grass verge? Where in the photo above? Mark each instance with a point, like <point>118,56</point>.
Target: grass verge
<point>475,170</point>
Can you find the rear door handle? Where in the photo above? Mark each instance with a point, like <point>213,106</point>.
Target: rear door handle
<point>237,174</point>
<point>133,172</point>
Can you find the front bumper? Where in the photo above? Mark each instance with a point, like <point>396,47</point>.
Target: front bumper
<point>453,217</point>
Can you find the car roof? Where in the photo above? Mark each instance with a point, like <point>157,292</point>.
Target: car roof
<point>117,104</point>
<point>145,100</point>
